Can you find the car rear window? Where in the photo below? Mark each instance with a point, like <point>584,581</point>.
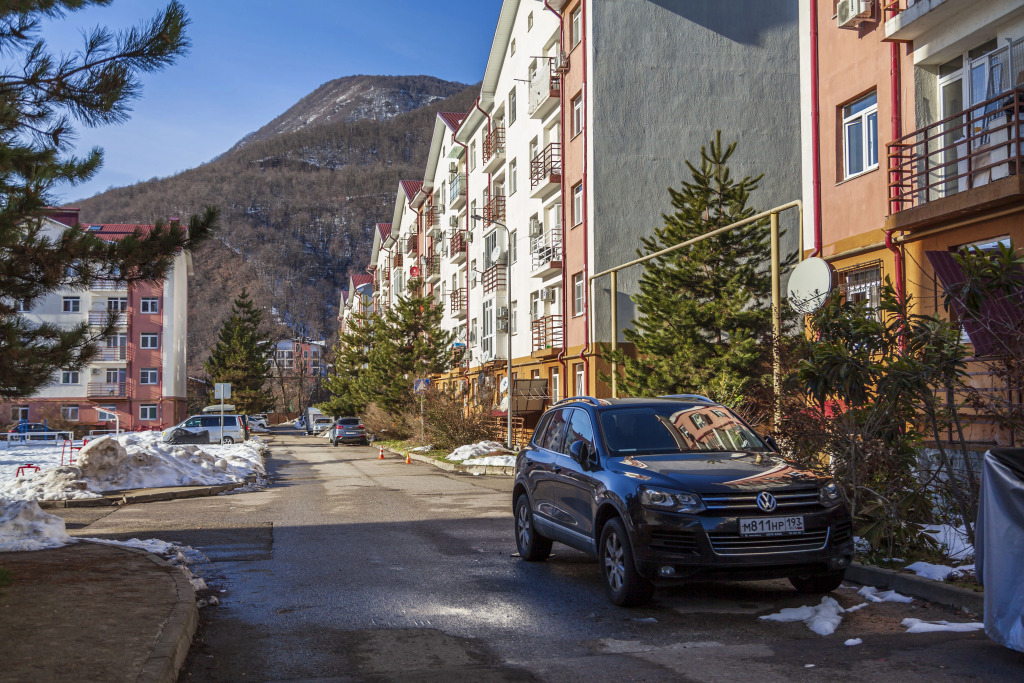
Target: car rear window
<point>348,421</point>
<point>670,429</point>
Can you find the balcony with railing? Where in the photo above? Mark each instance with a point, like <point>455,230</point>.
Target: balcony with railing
<point>545,90</point>
<point>457,246</point>
<point>108,389</point>
<point>546,253</point>
<point>411,244</point>
<point>432,268</point>
<point>457,190</point>
<point>547,335</point>
<point>397,260</point>
<point>113,353</point>
<point>967,162</point>
<point>546,172</point>
<point>100,318</point>
<point>494,149</point>
<point>457,302</point>
<point>431,217</point>
<point>494,208</point>
<point>104,285</point>
<point>911,19</point>
<point>495,278</point>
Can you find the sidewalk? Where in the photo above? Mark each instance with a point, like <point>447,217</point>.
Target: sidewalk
<point>94,612</point>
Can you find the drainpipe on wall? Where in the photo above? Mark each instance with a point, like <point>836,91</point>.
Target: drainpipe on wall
<point>465,152</point>
<point>562,360</point>
<point>815,132</point>
<point>585,199</point>
<point>897,133</point>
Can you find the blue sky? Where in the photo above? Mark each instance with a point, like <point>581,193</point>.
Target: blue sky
<point>252,59</point>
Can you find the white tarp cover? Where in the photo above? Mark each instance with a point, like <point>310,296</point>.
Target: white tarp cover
<point>1000,545</point>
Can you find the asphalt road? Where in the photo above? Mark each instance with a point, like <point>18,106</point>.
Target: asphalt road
<point>349,568</point>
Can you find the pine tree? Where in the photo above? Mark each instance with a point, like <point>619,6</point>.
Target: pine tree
<point>705,323</point>
<point>242,357</point>
<point>40,95</point>
<point>351,359</point>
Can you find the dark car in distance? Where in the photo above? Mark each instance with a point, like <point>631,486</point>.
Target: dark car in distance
<point>675,488</point>
<point>348,430</point>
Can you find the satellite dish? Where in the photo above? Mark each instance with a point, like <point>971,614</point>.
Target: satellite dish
<point>504,385</point>
<point>496,255</point>
<point>414,271</point>
<point>810,284</point>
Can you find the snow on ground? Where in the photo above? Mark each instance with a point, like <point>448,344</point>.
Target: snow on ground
<point>23,526</point>
<point>920,626</point>
<point>853,641</point>
<point>940,572</point>
<point>495,460</point>
<point>954,539</point>
<point>129,461</point>
<point>477,451</point>
<point>823,619</point>
<point>874,595</point>
<point>421,449</point>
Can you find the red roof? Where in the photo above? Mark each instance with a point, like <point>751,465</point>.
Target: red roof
<point>452,120</point>
<point>385,230</point>
<point>360,280</point>
<point>411,187</point>
<point>115,231</point>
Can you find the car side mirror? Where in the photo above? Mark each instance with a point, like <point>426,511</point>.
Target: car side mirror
<point>584,454</point>
<point>772,444</point>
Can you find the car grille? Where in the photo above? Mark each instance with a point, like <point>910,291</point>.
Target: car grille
<point>734,544</point>
<point>804,499</point>
<point>684,542</point>
<point>842,532</point>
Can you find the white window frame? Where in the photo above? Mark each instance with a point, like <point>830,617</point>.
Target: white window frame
<point>577,115</point>
<point>867,118</point>
<point>149,304</point>
<point>148,411</point>
<point>512,103</point>
<point>575,34</point>
<point>117,303</point>
<point>69,413</point>
<point>151,336</point>
<point>578,294</point>
<point>513,248</point>
<point>577,204</point>
<point>19,413</point>
<point>487,336</point>
<point>149,376</point>
<point>580,379</point>
<point>70,377</point>
<point>554,384</point>
<point>513,182</point>
<point>472,155</point>
<point>513,317</point>
<point>72,304</point>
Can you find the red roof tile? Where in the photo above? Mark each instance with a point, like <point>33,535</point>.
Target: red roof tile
<point>385,230</point>
<point>411,187</point>
<point>115,231</point>
<point>359,280</point>
<point>452,120</point>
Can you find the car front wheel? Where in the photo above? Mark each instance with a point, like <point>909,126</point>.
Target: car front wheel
<point>818,583</point>
<point>532,546</point>
<point>625,586</point>
<point>227,439</point>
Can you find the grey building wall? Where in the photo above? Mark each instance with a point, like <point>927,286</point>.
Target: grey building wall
<point>664,76</point>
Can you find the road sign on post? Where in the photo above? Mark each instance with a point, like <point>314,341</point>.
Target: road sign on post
<point>222,390</point>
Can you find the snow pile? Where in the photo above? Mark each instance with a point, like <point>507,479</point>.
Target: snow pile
<point>823,619</point>
<point>421,449</point>
<point>873,595</point>
<point>495,460</point>
<point>920,626</point>
<point>23,526</point>
<point>133,461</point>
<point>477,451</point>
<point>853,641</point>
<point>941,572</point>
<point>952,539</point>
<point>256,429</point>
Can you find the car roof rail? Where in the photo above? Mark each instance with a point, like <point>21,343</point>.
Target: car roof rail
<point>688,397</point>
<point>573,399</point>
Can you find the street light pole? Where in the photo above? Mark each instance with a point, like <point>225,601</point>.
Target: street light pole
<point>508,334</point>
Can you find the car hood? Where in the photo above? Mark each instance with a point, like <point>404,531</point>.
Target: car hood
<point>710,472</point>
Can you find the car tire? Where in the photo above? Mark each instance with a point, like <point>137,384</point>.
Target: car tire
<point>532,546</point>
<point>818,583</point>
<point>226,440</point>
<point>622,582</point>
<point>335,443</point>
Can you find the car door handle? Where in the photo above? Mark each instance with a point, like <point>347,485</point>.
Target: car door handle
<point>556,469</point>
<point>529,463</point>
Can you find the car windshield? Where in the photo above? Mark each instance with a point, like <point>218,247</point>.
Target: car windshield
<point>348,421</point>
<point>673,429</point>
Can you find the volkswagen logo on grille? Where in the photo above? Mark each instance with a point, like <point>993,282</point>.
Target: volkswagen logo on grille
<point>766,501</point>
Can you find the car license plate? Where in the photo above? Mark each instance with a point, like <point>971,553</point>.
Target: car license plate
<point>771,526</point>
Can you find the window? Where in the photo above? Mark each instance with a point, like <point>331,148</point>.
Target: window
<point>863,283</point>
<point>513,249</point>
<point>577,204</point>
<point>512,48</point>
<point>116,375</point>
<point>147,411</point>
<point>577,294</point>
<point>513,183</point>
<point>148,376</point>
<point>513,317</point>
<point>472,331</point>
<point>150,305</point>
<point>552,430</point>
<point>554,384</point>
<point>529,21</point>
<point>512,103</point>
<point>580,429</point>
<point>109,407</point>
<point>487,340</point>
<point>19,413</point>
<point>149,341</point>
<point>575,26</point>
<point>472,155</point>
<point>117,303</point>
<point>580,388</point>
<point>69,377</point>
<point>860,135</point>
<point>69,413</point>
<point>72,304</point>
<point>577,114</point>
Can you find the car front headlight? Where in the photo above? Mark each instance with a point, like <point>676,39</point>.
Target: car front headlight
<point>672,501</point>
<point>828,495</point>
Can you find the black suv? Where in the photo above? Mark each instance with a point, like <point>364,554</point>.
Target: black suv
<point>672,488</point>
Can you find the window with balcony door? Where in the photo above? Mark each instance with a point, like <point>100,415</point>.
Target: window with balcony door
<point>69,413</point>
<point>513,183</point>
<point>72,304</point>
<point>117,303</point>
<point>149,376</point>
<point>490,242</point>
<point>513,317</point>
<point>860,136</point>
<point>150,304</point>
<point>577,114</point>
<point>147,411</point>
<point>512,105</point>
<point>487,339</point>
<point>554,385</point>
<point>580,384</point>
<point>513,247</point>
<point>575,27</point>
<point>577,294</point>
<point>149,341</point>
<point>577,204</point>
<point>69,377</point>
<point>472,155</point>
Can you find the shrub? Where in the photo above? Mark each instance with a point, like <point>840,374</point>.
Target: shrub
<point>450,424</point>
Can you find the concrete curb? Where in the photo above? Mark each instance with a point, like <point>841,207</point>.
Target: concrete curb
<point>172,645</point>
<point>909,584</point>
<point>457,467</point>
<point>140,496</point>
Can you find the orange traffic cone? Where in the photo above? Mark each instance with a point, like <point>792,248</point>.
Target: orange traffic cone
<point>408,458</point>
<point>381,453</point>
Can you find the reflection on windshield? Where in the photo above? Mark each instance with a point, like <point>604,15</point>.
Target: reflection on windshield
<point>647,430</point>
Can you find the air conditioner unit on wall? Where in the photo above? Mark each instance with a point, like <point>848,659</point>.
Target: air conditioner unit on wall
<point>548,294</point>
<point>502,325</point>
<point>850,13</point>
<point>536,227</point>
<point>453,221</point>
<point>453,167</point>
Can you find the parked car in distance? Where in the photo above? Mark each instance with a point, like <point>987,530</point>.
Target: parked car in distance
<point>309,416</point>
<point>321,423</point>
<point>349,430</point>
<point>30,431</point>
<point>675,488</point>
<point>221,428</point>
<point>259,421</point>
